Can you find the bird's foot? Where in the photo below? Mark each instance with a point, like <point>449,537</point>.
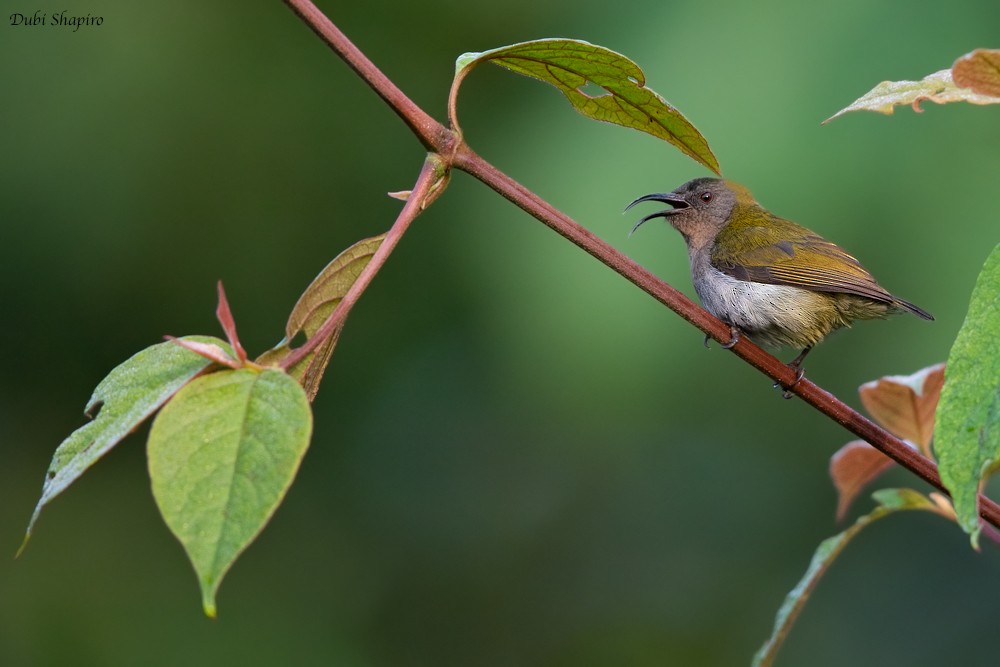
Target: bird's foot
<point>734,337</point>
<point>796,365</point>
<point>734,333</point>
<point>786,392</point>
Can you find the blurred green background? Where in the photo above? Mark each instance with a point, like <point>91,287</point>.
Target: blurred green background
<point>519,458</point>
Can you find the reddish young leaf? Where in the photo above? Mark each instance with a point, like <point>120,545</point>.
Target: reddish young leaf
<point>315,305</point>
<point>905,404</point>
<point>853,466</point>
<point>209,351</point>
<point>979,70</point>
<point>225,317</point>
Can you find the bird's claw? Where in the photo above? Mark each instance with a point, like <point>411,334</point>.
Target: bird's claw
<point>786,392</point>
<point>734,337</point>
<point>796,365</point>
<point>734,333</point>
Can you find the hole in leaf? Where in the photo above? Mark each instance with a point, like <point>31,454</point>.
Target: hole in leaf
<point>298,340</point>
<point>94,409</point>
<point>51,474</point>
<point>591,89</point>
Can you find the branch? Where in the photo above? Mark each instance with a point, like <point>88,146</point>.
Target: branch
<point>431,174</point>
<point>430,132</point>
<point>443,141</point>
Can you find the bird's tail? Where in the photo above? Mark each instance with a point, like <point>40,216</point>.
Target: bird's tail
<point>916,310</point>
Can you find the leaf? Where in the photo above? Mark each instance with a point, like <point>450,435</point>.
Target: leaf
<point>979,71</point>
<point>314,306</point>
<point>225,317</point>
<point>937,87</point>
<point>889,501</point>
<point>905,404</point>
<point>570,64</point>
<point>131,392</point>
<point>222,454</point>
<point>967,436</point>
<point>852,468</point>
<point>209,351</point>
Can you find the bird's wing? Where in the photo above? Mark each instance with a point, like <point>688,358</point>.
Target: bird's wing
<point>782,252</point>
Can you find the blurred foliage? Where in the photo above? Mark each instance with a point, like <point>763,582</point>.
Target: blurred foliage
<point>518,458</point>
<point>976,81</point>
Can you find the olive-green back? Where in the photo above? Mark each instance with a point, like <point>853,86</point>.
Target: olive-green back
<point>758,246</point>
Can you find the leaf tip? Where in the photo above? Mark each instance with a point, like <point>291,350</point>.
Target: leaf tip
<point>208,600</point>
<point>24,544</point>
<point>463,60</point>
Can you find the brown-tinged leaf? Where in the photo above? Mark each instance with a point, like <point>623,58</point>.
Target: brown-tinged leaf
<point>853,466</point>
<point>937,87</point>
<point>905,404</point>
<point>312,309</point>
<point>209,351</point>
<point>946,509</point>
<point>978,71</point>
<point>225,317</point>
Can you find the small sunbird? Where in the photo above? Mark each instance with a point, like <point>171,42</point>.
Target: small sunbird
<point>769,278</point>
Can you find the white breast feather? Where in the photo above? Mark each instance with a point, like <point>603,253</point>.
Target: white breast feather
<point>758,307</point>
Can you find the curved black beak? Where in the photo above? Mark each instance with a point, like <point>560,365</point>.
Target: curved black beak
<point>665,197</point>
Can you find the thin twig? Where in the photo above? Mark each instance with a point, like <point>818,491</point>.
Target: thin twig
<point>430,175</point>
<point>439,139</point>
<point>430,132</point>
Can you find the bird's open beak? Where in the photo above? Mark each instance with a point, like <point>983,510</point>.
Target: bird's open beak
<point>667,198</point>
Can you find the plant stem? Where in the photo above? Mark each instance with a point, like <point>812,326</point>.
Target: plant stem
<point>431,174</point>
<point>443,141</point>
<point>429,131</point>
<point>825,402</point>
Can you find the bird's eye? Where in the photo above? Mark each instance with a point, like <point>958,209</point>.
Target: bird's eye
<point>706,197</point>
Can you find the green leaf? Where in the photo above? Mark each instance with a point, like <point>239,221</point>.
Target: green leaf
<point>980,71</point>
<point>130,393</point>
<point>889,501</point>
<point>312,309</point>
<point>937,87</point>
<point>222,454</point>
<point>570,64</point>
<point>967,431</point>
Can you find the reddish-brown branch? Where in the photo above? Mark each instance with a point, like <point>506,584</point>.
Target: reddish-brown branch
<point>438,138</point>
<point>430,132</point>
<point>822,400</point>
<point>431,174</point>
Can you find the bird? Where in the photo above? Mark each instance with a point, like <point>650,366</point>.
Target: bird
<point>772,279</point>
